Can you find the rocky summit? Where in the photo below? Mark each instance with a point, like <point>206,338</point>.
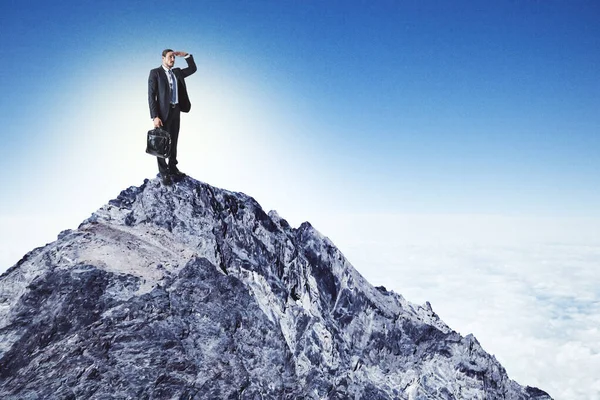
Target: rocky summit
<point>194,292</point>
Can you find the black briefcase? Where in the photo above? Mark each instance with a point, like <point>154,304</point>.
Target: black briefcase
<point>159,143</point>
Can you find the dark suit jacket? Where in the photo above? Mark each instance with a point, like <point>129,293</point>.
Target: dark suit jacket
<point>159,93</point>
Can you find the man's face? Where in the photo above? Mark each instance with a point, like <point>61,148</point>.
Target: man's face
<point>169,60</point>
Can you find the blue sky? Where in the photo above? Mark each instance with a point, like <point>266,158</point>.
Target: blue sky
<point>429,112</point>
<point>434,106</point>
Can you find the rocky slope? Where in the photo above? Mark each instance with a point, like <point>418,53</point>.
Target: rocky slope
<point>194,292</point>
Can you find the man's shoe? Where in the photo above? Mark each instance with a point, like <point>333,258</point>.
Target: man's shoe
<point>176,173</point>
<point>176,178</point>
<point>166,180</point>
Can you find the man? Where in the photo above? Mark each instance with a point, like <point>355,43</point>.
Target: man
<point>168,97</point>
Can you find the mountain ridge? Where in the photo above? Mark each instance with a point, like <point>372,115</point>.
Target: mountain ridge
<point>226,301</point>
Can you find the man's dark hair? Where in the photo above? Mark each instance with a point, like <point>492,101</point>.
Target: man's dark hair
<point>165,51</point>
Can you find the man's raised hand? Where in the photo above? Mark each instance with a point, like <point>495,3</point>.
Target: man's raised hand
<point>180,53</point>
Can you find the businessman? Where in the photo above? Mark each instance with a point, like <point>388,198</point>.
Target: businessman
<point>167,98</point>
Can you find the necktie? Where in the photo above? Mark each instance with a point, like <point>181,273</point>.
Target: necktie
<point>173,85</point>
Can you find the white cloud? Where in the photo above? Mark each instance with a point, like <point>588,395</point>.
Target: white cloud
<point>520,285</point>
<point>22,233</point>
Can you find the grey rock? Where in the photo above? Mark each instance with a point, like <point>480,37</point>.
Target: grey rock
<point>194,292</point>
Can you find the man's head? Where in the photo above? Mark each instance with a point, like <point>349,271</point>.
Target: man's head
<point>168,58</point>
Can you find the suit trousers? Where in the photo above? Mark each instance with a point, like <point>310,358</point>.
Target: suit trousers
<point>171,125</point>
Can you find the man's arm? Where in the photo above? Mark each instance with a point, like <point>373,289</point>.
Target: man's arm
<point>189,59</point>
<point>153,98</point>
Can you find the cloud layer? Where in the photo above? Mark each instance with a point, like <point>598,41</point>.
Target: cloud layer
<point>530,299</point>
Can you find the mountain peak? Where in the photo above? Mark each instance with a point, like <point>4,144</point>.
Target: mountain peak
<point>191,291</point>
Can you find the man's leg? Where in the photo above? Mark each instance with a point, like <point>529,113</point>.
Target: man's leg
<point>171,125</point>
<point>163,169</point>
<point>174,131</point>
